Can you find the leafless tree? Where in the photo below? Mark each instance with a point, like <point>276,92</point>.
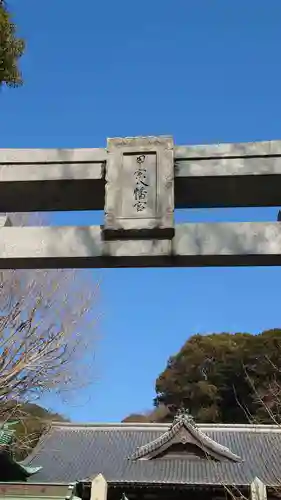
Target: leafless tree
<point>47,338</point>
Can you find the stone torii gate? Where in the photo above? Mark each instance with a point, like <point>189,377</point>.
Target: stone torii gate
<point>138,182</point>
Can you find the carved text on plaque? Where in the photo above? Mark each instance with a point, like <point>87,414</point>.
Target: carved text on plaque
<point>139,188</point>
<point>138,177</point>
<point>140,191</point>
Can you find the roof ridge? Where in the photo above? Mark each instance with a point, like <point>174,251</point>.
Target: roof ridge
<point>182,428</point>
<point>162,426</point>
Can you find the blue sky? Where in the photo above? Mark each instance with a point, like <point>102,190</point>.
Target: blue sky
<point>203,71</point>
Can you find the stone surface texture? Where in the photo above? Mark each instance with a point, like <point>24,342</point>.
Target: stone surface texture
<point>139,191</point>
<point>223,244</point>
<point>144,177</point>
<point>215,175</point>
<point>258,490</point>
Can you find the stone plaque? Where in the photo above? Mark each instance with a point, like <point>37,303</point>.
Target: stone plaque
<point>139,198</point>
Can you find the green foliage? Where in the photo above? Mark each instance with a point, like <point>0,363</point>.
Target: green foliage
<point>32,421</point>
<point>11,49</point>
<point>225,378</point>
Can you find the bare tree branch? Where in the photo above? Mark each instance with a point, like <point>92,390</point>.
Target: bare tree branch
<point>47,321</point>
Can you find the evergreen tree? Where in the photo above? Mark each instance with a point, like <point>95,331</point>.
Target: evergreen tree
<point>11,49</point>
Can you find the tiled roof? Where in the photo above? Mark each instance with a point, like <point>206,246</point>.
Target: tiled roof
<point>6,433</point>
<point>184,430</point>
<point>71,452</point>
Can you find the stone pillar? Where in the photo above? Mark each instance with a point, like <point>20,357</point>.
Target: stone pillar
<point>139,196</point>
<point>258,490</point>
<point>99,488</point>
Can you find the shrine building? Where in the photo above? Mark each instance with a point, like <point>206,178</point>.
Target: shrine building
<point>149,461</point>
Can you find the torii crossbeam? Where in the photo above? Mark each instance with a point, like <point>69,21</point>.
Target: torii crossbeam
<point>139,182</point>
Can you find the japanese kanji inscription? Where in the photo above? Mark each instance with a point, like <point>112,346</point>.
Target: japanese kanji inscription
<point>139,188</point>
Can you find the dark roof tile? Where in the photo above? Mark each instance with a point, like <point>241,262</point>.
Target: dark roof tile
<point>69,453</point>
